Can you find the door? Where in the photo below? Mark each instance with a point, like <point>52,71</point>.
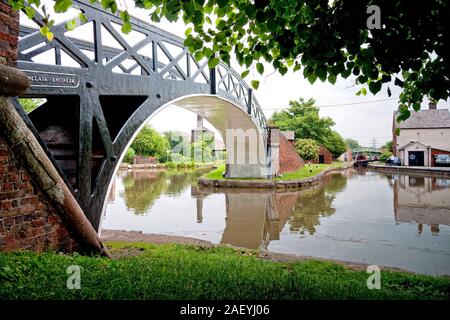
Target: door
<point>416,158</point>
<point>321,158</point>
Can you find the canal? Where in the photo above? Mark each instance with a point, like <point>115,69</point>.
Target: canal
<point>356,215</point>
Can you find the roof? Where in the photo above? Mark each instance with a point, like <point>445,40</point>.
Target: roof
<point>437,118</point>
<point>410,144</point>
<point>290,135</point>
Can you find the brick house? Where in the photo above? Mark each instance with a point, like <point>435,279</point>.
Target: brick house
<point>324,156</point>
<point>425,134</point>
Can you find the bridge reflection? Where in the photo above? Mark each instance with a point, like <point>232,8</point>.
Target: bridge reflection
<point>256,217</point>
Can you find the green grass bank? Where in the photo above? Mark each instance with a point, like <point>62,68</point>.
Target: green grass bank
<point>306,172</point>
<point>148,271</point>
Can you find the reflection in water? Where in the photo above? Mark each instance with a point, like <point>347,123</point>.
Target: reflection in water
<point>354,215</point>
<point>142,188</point>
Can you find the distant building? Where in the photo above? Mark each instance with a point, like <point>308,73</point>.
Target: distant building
<point>423,135</point>
<point>324,156</point>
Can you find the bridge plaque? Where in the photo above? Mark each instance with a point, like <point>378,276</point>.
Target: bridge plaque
<point>52,79</point>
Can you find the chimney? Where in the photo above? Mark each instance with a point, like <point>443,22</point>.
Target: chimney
<point>432,105</point>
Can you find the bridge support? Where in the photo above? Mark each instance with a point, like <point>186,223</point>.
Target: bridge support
<point>42,214</point>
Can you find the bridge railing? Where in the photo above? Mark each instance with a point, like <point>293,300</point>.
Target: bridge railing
<point>146,51</point>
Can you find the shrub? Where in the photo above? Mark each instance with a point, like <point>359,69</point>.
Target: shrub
<point>385,155</point>
<point>308,149</point>
<point>129,156</point>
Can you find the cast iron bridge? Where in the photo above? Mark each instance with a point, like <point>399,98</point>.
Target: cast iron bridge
<point>101,86</point>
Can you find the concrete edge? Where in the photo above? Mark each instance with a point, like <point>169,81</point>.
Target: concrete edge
<point>435,172</point>
<point>269,184</point>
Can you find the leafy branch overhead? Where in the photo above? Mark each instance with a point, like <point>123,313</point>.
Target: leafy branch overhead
<point>322,39</point>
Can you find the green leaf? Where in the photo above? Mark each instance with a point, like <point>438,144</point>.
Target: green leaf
<point>255,84</point>
<point>375,87</point>
<point>82,17</point>
<point>213,62</point>
<point>127,27</point>
<point>364,91</point>
<point>397,131</point>
<point>71,24</point>
<point>332,79</point>
<point>30,12</point>
<point>188,31</point>
<point>312,78</point>
<point>110,4</point>
<point>389,92</point>
<point>198,55</point>
<point>245,73</point>
<point>62,6</point>
<point>260,67</point>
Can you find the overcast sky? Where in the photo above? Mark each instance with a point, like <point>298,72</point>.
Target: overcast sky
<point>363,118</point>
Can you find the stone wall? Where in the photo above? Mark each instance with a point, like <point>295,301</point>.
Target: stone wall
<point>9,32</point>
<point>27,220</point>
<point>289,158</point>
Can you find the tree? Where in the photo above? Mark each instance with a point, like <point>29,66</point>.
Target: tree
<point>388,146</point>
<point>323,39</point>
<point>335,144</point>
<point>303,118</point>
<point>352,144</point>
<point>148,142</point>
<point>308,149</point>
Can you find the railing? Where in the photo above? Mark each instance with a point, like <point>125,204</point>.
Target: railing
<point>146,51</point>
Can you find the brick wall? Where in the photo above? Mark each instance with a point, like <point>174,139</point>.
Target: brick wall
<point>144,160</point>
<point>327,156</point>
<point>9,32</point>
<point>27,220</point>
<point>289,158</point>
<point>434,153</point>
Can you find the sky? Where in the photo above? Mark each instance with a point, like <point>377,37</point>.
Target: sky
<point>367,119</point>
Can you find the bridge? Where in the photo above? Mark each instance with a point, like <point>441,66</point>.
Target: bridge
<point>98,94</point>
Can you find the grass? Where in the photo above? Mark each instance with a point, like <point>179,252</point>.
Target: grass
<point>295,175</point>
<point>191,272</point>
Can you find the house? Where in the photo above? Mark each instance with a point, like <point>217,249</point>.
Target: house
<point>425,134</point>
<point>324,156</point>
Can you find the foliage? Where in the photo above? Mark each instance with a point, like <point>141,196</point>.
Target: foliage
<point>149,142</point>
<point>388,146</point>
<point>180,272</point>
<point>303,118</point>
<point>308,149</point>
<point>335,144</point>
<point>129,155</point>
<point>323,39</point>
<point>29,105</point>
<point>352,144</point>
<point>385,155</point>
<point>178,141</point>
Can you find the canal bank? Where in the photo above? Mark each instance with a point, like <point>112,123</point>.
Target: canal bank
<point>437,172</point>
<point>181,272</point>
<point>288,182</point>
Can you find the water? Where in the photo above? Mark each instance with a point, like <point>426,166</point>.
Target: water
<point>361,216</point>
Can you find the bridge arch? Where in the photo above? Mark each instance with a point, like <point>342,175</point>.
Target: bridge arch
<point>98,102</point>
